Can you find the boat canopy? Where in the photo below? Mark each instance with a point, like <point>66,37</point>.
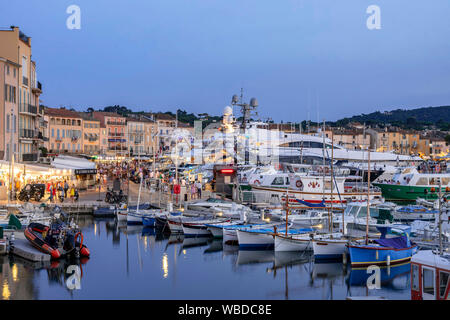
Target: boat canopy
<point>396,243</point>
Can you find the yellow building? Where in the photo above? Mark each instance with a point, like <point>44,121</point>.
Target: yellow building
<point>65,131</point>
<point>19,106</point>
<point>352,139</point>
<point>91,134</point>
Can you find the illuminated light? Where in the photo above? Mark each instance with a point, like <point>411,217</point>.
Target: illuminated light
<point>95,229</point>
<point>184,251</point>
<point>165,266</point>
<point>5,292</point>
<point>14,272</point>
<point>226,170</point>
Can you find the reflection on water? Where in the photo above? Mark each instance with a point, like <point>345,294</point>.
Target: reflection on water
<point>133,262</point>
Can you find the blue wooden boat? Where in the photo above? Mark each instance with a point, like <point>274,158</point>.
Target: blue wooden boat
<point>384,251</point>
<point>105,212</point>
<point>149,220</point>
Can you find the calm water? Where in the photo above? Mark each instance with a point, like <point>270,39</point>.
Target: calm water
<point>135,263</point>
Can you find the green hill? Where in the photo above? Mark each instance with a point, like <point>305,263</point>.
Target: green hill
<point>408,119</point>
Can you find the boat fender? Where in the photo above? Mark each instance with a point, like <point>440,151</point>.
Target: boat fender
<point>81,237</point>
<point>388,260</point>
<point>55,254</point>
<point>299,184</point>
<point>257,182</point>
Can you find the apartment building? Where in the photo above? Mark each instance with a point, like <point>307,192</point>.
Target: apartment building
<point>65,131</point>
<point>352,139</point>
<point>91,134</point>
<point>135,137</point>
<point>20,112</point>
<point>116,127</point>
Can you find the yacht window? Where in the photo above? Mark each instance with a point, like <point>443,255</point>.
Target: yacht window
<point>432,182</point>
<point>287,181</point>
<point>422,181</point>
<point>445,181</point>
<point>428,281</point>
<point>415,277</point>
<point>278,181</point>
<point>443,283</point>
<point>354,210</point>
<point>374,212</point>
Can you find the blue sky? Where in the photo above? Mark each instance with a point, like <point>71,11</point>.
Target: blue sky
<point>298,58</point>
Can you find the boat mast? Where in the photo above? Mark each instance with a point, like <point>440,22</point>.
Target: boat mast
<point>368,195</point>
<point>440,221</point>
<point>332,183</point>
<point>287,210</point>
<point>323,158</point>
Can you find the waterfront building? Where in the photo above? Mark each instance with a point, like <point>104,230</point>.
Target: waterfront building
<point>91,134</point>
<point>115,125</point>
<point>135,136</point>
<point>65,131</point>
<point>352,139</point>
<point>20,111</point>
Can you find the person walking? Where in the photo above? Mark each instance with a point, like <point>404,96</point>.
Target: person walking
<point>72,193</point>
<point>50,189</point>
<point>199,189</point>
<point>66,188</point>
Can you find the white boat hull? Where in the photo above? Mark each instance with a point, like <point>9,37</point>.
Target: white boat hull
<point>283,243</point>
<point>229,236</point>
<point>134,218</point>
<point>255,240</point>
<point>121,215</point>
<point>196,231</point>
<point>175,226</point>
<point>329,249</point>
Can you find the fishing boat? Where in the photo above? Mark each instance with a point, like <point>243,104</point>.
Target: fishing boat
<point>134,217</point>
<point>302,242</point>
<point>385,250</point>
<point>263,238</point>
<point>199,228</point>
<point>409,184</point>
<point>331,246</point>
<point>217,229</point>
<point>230,232</point>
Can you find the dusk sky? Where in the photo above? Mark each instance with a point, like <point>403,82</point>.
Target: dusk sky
<point>296,57</point>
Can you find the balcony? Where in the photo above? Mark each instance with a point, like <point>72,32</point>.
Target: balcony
<point>117,148</point>
<point>29,157</point>
<point>37,88</point>
<point>115,123</point>
<point>26,134</point>
<point>116,134</point>
<point>28,109</point>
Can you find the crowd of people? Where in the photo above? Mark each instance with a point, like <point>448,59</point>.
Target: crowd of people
<point>163,180</point>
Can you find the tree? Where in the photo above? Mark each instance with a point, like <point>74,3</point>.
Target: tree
<point>44,151</point>
<point>447,139</point>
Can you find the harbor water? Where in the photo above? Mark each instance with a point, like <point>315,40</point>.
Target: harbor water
<point>133,262</point>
